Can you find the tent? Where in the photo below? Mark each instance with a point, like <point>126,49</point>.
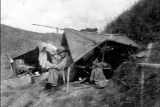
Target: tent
<point>80,43</point>
<point>30,54</point>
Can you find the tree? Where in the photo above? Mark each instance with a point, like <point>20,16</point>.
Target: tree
<point>89,30</point>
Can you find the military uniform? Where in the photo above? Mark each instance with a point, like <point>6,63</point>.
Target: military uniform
<point>58,70</point>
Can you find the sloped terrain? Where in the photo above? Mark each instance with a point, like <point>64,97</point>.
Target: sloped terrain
<point>80,95</point>
<point>129,78</point>
<point>14,40</point>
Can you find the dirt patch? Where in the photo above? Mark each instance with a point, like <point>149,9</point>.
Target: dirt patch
<point>80,95</point>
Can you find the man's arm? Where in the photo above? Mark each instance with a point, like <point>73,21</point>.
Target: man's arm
<point>59,66</point>
<point>51,65</point>
<point>64,63</point>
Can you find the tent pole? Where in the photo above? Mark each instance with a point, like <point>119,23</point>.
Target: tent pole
<point>64,81</point>
<point>104,53</point>
<point>68,77</point>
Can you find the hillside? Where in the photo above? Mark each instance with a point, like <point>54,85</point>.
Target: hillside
<point>141,22</point>
<point>14,40</point>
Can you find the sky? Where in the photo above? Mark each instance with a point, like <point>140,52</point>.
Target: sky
<point>75,14</point>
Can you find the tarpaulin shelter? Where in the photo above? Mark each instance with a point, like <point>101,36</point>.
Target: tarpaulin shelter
<point>80,43</point>
<point>29,54</point>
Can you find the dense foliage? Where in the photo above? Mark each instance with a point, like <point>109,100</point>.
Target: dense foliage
<point>128,77</point>
<point>141,22</point>
<point>89,30</point>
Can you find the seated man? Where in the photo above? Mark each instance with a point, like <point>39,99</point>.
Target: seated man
<point>56,70</point>
<point>97,75</point>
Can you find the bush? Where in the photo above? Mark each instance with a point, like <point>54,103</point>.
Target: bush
<point>128,77</point>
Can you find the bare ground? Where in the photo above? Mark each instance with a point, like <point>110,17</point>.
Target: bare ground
<point>80,95</point>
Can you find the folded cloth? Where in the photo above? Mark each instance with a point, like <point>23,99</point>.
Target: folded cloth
<point>42,59</point>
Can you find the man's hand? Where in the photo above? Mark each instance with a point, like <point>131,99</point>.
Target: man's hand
<point>50,65</point>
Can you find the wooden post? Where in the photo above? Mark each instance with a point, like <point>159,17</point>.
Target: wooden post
<point>143,74</point>
<point>68,78</point>
<point>11,61</point>
<point>64,80</point>
<point>32,77</point>
<point>142,87</point>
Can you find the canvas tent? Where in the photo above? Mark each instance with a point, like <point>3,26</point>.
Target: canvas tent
<point>80,43</point>
<point>29,55</point>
